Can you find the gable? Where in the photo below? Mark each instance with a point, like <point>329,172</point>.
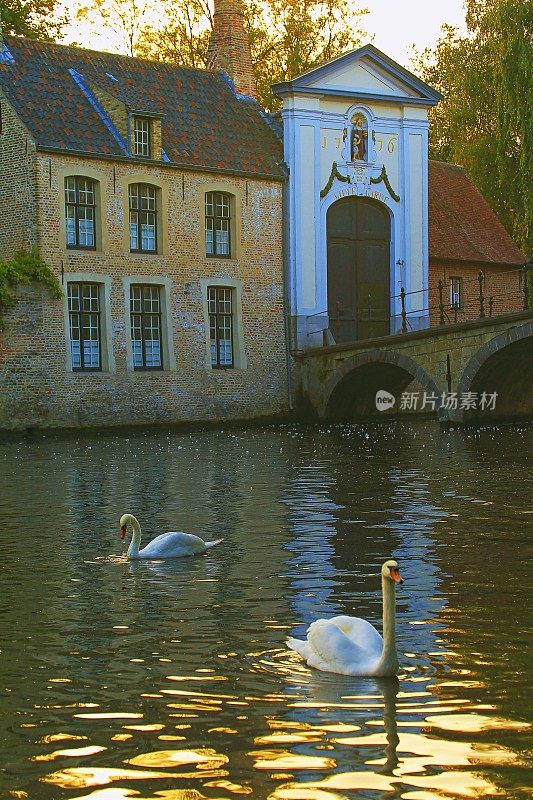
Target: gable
<point>363,76</point>
<point>365,72</point>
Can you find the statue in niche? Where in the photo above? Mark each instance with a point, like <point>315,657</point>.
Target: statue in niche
<point>359,137</point>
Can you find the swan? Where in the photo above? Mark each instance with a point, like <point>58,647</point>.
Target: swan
<point>352,646</point>
<point>174,544</point>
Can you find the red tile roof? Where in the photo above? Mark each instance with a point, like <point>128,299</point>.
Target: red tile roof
<point>205,124</point>
<point>462,226</point>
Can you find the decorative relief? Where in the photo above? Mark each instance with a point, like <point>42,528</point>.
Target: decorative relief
<point>360,180</point>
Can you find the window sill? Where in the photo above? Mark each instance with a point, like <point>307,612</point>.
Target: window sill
<point>82,373</point>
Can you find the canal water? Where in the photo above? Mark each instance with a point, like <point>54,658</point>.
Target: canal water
<point>172,679</point>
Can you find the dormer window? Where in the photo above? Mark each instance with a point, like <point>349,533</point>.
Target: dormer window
<point>359,138</point>
<point>142,137</point>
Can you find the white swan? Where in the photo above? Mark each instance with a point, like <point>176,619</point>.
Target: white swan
<point>352,646</point>
<point>174,544</point>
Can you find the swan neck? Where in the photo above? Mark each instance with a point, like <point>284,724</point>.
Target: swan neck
<point>133,549</point>
<point>389,616</point>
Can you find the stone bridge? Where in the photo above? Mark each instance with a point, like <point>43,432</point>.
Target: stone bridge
<point>469,371</point>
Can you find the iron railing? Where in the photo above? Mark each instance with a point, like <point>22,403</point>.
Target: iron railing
<point>483,302</point>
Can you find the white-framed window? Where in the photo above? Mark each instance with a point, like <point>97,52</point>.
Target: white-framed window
<point>84,312</point>
<point>456,292</point>
<point>143,211</point>
<point>80,212</point>
<point>142,137</point>
<point>145,326</point>
<point>220,309</point>
<point>88,327</point>
<point>148,323</point>
<point>218,224</point>
<point>224,334</point>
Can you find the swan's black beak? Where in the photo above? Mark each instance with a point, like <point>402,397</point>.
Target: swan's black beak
<point>123,531</point>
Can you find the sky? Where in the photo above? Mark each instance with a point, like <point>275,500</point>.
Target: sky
<point>395,25</point>
<point>398,24</point>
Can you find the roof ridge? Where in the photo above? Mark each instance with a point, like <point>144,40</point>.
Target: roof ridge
<point>449,164</point>
<point>169,64</point>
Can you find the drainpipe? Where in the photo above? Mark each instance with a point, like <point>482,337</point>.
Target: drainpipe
<point>286,282</point>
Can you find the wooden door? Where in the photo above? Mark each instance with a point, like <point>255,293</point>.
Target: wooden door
<point>358,231</point>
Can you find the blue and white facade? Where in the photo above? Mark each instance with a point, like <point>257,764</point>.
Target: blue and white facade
<point>356,127</point>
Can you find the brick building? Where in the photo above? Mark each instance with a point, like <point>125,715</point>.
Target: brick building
<point>159,197</point>
<point>154,193</point>
<point>466,238</point>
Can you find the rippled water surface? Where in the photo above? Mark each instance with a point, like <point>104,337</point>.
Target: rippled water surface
<point>172,679</point>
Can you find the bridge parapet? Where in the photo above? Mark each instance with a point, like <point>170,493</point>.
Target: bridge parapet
<point>492,354</point>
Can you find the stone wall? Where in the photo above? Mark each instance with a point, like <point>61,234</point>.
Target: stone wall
<point>17,184</point>
<point>38,384</point>
<point>424,356</point>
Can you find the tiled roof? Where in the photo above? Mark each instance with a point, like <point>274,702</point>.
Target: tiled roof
<point>462,226</point>
<point>204,124</point>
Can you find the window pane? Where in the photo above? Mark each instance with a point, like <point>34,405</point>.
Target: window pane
<point>86,227</point>
<point>90,297</point>
<point>73,293</point>
<point>148,241</point>
<point>153,353</point>
<point>209,236</point>
<point>70,190</point>
<point>135,298</point>
<point>71,225</point>
<point>137,348</point>
<point>222,241</point>
<point>147,197</point>
<point>151,299</point>
<point>134,196</point>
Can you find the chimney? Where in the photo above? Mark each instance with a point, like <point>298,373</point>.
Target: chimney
<point>229,46</point>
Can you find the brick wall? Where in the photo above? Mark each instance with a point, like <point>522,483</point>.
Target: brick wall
<point>504,285</point>
<point>229,46</point>
<point>191,390</point>
<point>17,184</point>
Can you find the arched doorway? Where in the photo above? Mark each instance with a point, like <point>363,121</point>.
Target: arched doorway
<point>358,235</point>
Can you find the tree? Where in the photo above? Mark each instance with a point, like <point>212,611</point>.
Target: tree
<point>286,37</point>
<point>35,19</point>
<point>485,120</point>
<point>183,39</point>
<point>125,17</point>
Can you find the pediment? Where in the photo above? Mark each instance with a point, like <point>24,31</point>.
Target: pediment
<point>365,72</point>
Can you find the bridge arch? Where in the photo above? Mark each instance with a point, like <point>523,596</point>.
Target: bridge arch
<point>502,365</point>
<point>351,390</point>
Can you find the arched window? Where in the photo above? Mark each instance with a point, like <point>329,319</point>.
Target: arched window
<point>143,218</point>
<point>80,212</point>
<point>359,137</point>
<point>218,224</point>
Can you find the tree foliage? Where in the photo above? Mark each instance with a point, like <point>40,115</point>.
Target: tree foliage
<point>287,37</point>
<point>35,19</point>
<point>24,268</point>
<point>485,121</point>
<point>124,17</point>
